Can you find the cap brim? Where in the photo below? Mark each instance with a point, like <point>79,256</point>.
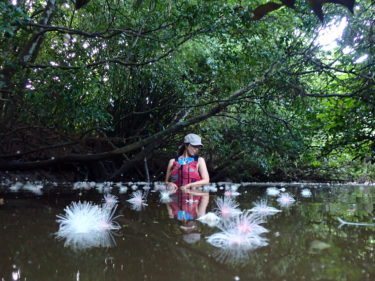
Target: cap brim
<point>196,144</point>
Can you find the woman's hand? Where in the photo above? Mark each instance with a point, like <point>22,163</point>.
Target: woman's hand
<point>185,188</point>
<point>171,187</point>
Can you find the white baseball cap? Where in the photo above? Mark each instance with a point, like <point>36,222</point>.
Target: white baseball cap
<point>193,139</point>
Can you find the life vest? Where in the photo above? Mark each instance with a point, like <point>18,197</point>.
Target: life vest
<point>184,171</point>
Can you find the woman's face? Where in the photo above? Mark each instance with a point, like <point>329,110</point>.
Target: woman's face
<point>192,150</point>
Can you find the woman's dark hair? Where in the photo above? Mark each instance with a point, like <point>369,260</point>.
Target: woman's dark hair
<point>181,149</point>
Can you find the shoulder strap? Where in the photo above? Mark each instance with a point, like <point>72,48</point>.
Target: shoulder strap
<point>195,158</point>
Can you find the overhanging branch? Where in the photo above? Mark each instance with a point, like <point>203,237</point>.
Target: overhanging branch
<point>14,165</point>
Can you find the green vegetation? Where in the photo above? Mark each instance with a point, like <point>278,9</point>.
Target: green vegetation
<point>118,81</point>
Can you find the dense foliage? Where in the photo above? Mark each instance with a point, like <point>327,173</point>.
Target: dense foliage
<point>269,101</point>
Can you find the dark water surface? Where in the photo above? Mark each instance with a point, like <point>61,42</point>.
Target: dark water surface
<point>305,240</point>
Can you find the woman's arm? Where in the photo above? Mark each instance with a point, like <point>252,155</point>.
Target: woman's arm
<point>202,168</point>
<point>168,175</point>
<point>203,205</point>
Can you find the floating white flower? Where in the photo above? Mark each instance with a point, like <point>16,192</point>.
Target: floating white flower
<point>34,188</point>
<point>123,189</point>
<point>246,223</point>
<point>306,192</point>
<point>272,191</point>
<point>285,200</point>
<point>86,225</point>
<point>16,187</point>
<point>99,187</point>
<point>210,188</point>
<point>77,185</point>
<point>118,184</point>
<point>141,183</point>
<point>240,234</point>
<point>227,207</point>
<point>137,200</point>
<point>82,185</point>
<point>160,187</point>
<point>110,200</point>
<point>231,193</point>
<point>262,209</point>
<point>232,187</point>
<point>211,219</point>
<point>147,187</point>
<point>107,186</point>
<point>236,239</point>
<point>165,196</point>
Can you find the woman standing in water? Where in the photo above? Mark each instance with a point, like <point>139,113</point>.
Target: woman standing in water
<point>185,174</point>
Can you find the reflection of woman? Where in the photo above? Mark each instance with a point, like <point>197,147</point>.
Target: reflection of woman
<point>185,174</point>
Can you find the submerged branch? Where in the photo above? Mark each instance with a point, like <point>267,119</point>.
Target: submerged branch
<point>342,223</point>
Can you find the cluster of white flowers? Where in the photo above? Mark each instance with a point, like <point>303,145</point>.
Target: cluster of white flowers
<point>33,187</point>
<point>240,230</point>
<point>85,224</point>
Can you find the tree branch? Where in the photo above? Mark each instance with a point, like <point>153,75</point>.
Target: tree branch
<point>4,165</point>
<point>98,34</point>
<point>114,60</point>
<point>304,93</point>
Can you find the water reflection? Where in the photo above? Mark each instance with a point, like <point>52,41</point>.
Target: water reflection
<point>211,219</point>
<point>303,242</point>
<point>16,273</point>
<point>234,256</point>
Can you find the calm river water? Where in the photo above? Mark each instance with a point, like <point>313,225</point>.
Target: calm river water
<point>305,240</point>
